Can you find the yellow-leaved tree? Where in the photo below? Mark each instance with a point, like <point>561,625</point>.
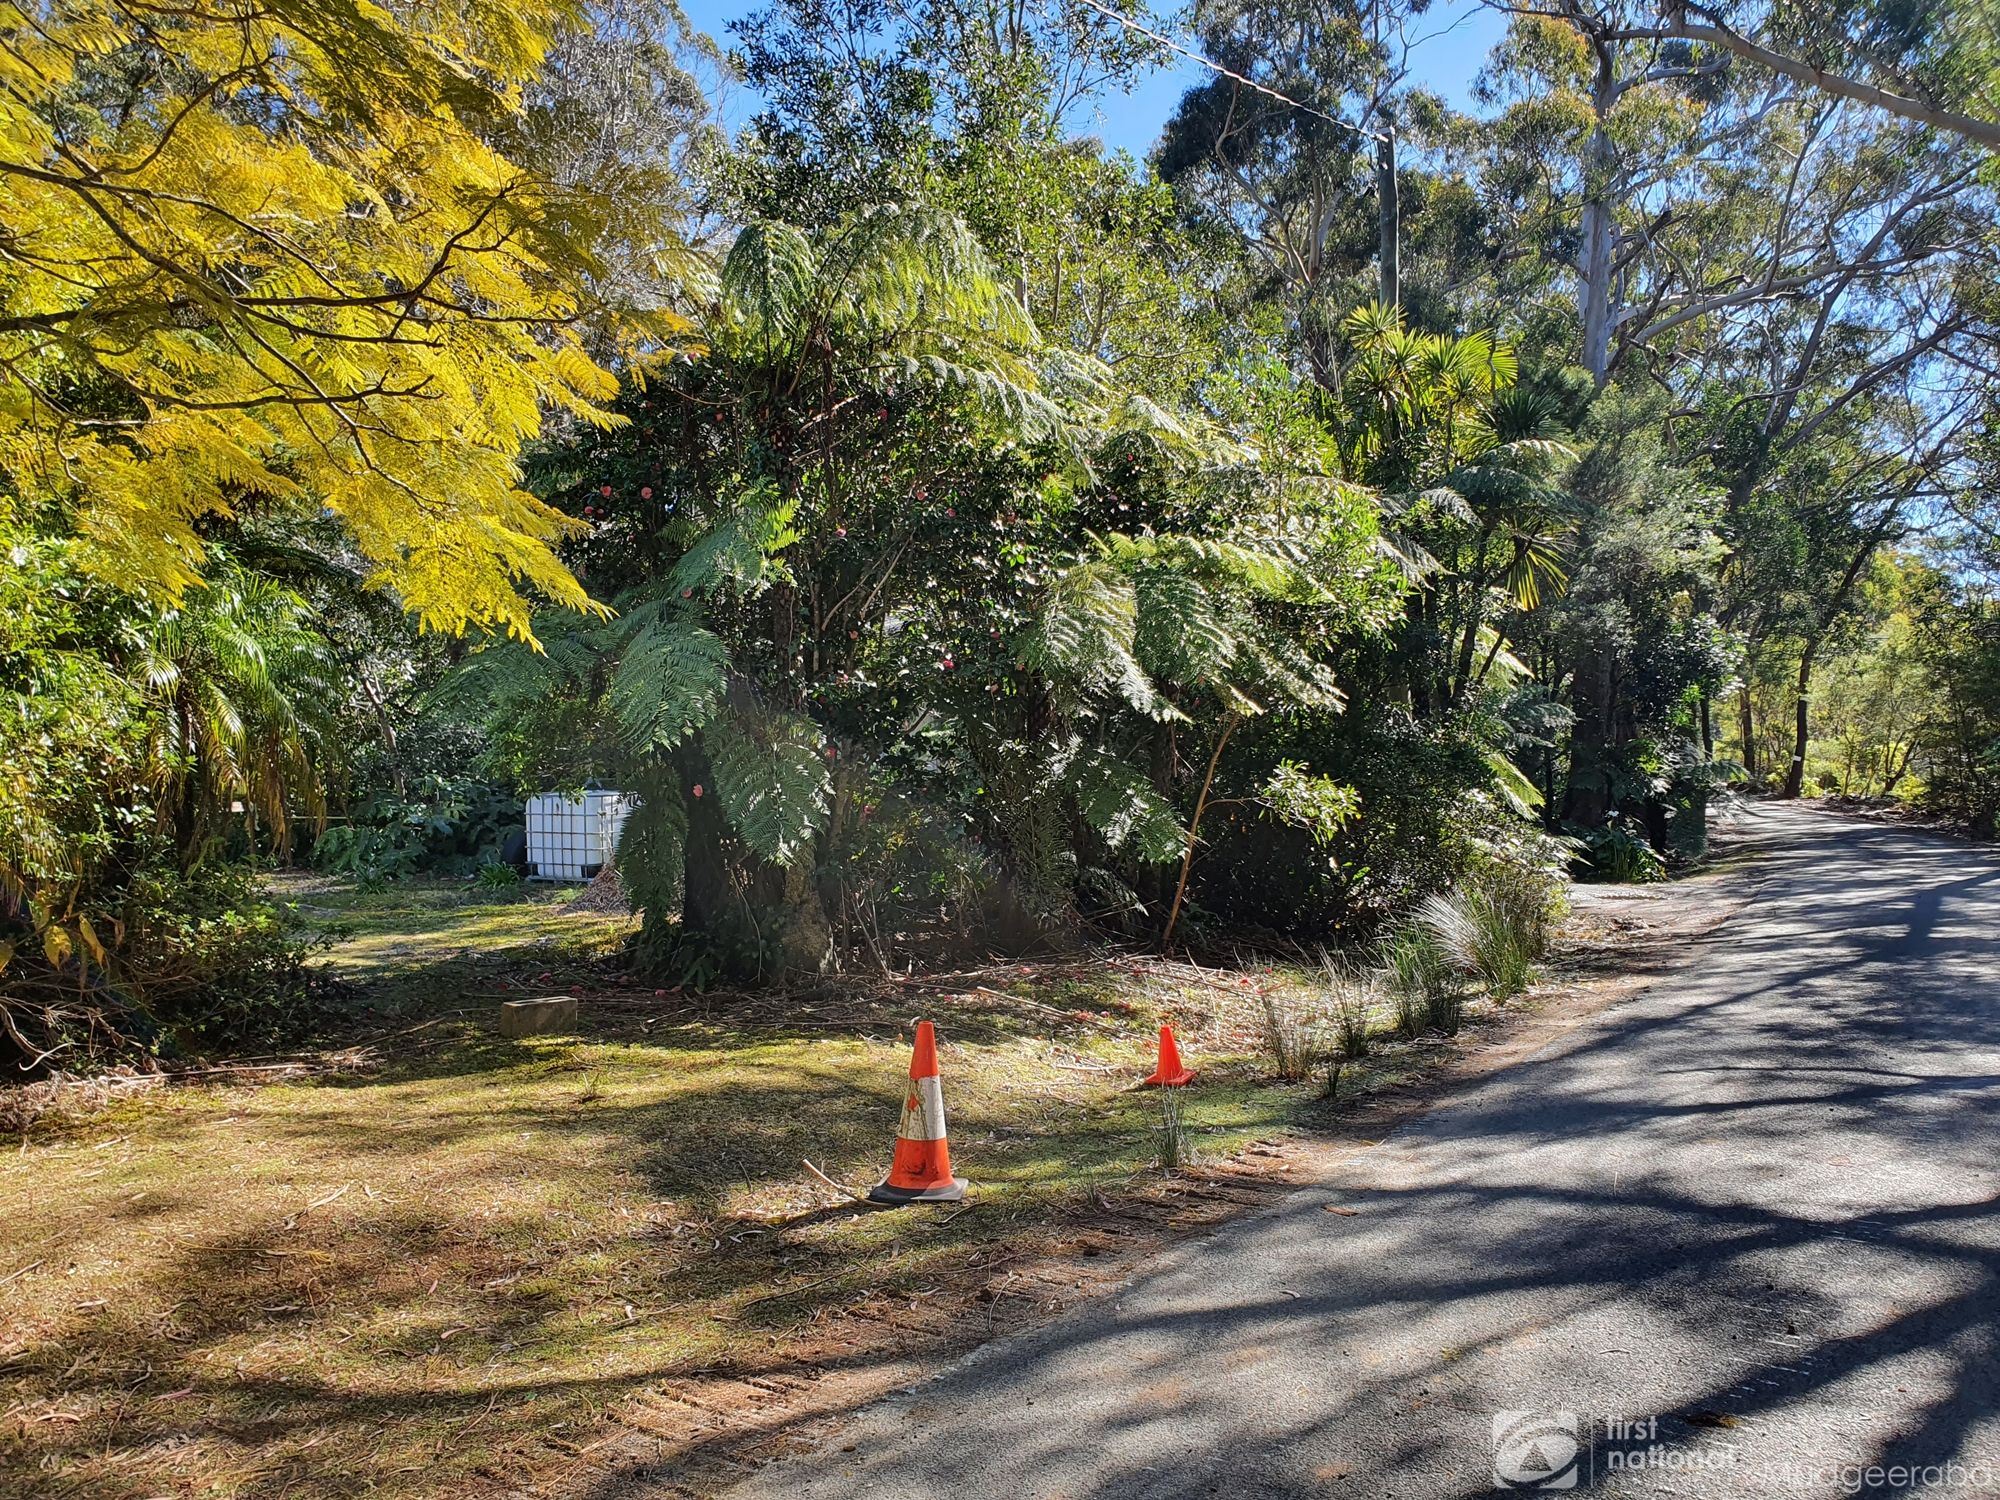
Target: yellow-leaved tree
<point>263,252</point>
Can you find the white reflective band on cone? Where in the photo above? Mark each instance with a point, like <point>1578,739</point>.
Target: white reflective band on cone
<point>923,1111</point>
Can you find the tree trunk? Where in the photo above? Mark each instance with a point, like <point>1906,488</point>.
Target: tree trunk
<point>187,806</point>
<point>1594,255</point>
<point>1475,609</point>
<point>1747,723</point>
<point>1389,205</point>
<point>805,937</point>
<point>1795,773</point>
<point>1194,829</point>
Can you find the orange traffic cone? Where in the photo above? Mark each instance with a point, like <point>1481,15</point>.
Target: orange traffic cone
<point>1169,1074</point>
<point>921,1169</point>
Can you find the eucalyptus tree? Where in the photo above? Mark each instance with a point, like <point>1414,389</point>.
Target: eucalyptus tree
<point>1809,276</point>
<point>1291,142</point>
<point>1932,65</point>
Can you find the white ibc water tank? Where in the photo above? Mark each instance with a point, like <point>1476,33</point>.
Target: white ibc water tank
<point>572,838</point>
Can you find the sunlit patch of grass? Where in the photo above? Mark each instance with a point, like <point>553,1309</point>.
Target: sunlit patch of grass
<point>420,922</point>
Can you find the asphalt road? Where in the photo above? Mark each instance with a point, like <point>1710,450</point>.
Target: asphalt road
<point>1739,1234</point>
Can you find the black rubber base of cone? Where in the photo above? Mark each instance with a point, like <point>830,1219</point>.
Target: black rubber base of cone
<point>949,1192</point>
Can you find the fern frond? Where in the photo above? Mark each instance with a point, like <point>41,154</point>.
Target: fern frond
<point>1085,632</point>
<point>652,849</point>
<point>742,551</point>
<point>670,680</point>
<point>771,780</point>
<point>1123,806</point>
<point>767,283</point>
<point>1180,634</point>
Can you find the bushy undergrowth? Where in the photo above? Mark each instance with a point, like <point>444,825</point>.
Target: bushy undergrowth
<point>202,961</point>
<point>219,964</point>
<point>440,825</point>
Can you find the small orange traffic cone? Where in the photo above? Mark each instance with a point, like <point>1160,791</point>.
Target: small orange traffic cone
<point>920,1172</point>
<point>1169,1074</point>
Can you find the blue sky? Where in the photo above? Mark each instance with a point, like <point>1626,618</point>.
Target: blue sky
<point>1455,38</point>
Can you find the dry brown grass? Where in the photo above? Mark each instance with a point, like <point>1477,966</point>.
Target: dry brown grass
<point>435,1276</point>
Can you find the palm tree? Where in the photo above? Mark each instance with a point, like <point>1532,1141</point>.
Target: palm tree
<point>1468,463</point>
<point>245,686</point>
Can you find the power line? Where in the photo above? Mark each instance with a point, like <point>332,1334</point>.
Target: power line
<point>1215,67</point>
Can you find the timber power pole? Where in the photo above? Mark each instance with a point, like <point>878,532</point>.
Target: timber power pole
<point>1389,200</point>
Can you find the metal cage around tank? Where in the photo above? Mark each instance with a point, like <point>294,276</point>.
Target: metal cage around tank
<point>572,838</point>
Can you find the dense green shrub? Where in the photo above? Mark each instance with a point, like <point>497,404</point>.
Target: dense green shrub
<point>215,963</point>
<point>1622,851</point>
<point>441,825</point>
<point>1412,831</point>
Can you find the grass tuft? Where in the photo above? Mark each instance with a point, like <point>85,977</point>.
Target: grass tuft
<point>1422,986</point>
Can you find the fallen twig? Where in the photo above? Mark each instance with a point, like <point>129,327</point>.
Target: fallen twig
<point>790,1291</point>
<point>845,1192</point>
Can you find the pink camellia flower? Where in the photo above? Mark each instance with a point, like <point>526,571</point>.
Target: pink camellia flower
<point>604,490</point>
<point>687,593</point>
<point>840,531</point>
<point>920,492</point>
<point>590,510</point>
<point>697,788</point>
<point>881,412</point>
<point>950,512</point>
<point>946,664</point>
<point>645,492</point>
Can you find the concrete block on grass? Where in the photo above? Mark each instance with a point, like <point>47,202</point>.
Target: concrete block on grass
<point>533,1017</point>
